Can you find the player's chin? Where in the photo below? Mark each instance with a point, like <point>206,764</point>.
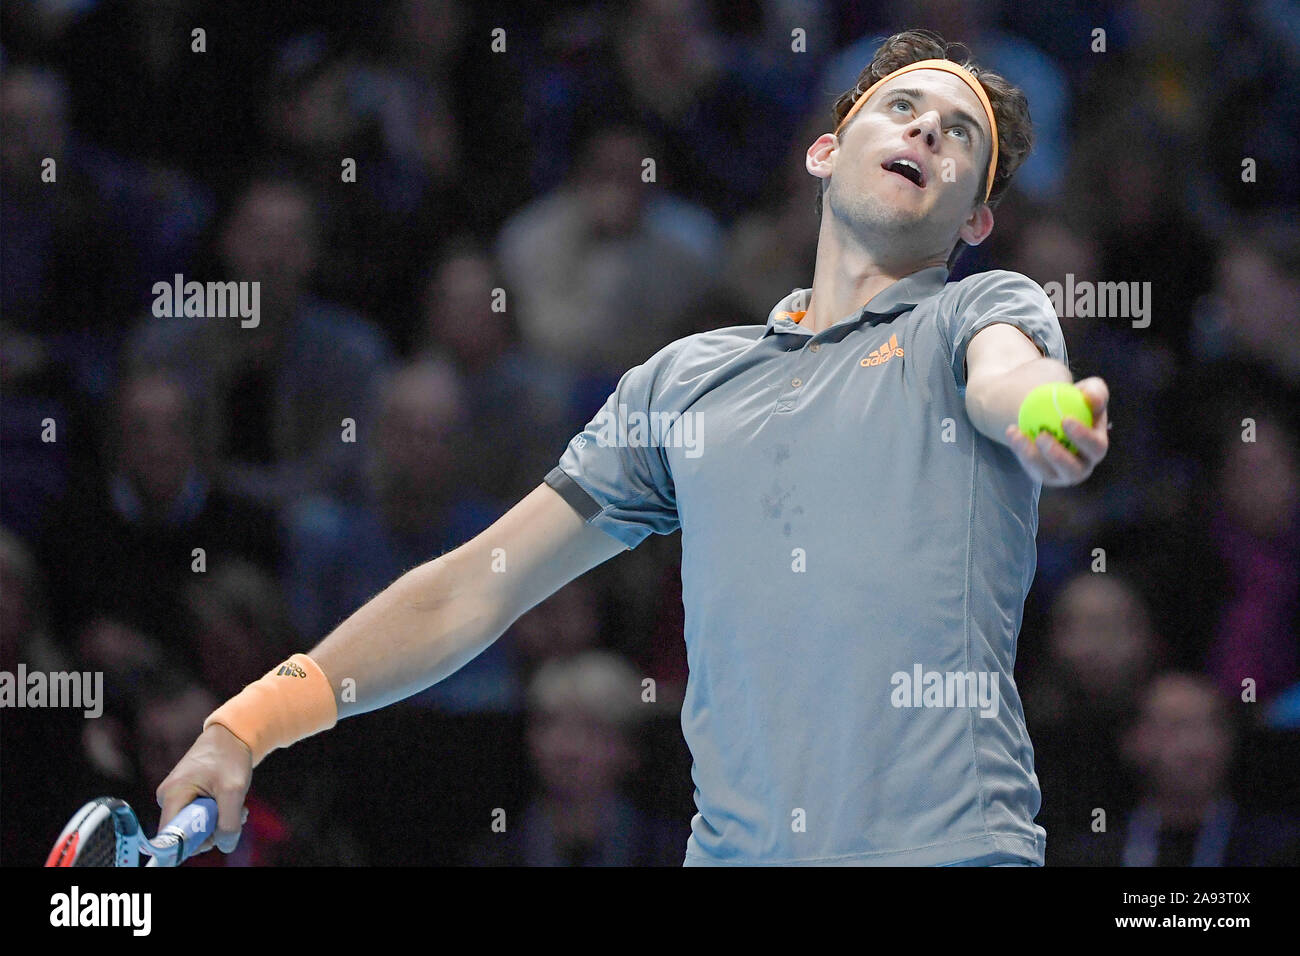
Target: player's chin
<point>906,202</point>
<point>894,198</point>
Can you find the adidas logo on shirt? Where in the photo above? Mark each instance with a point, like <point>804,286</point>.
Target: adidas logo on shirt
<point>883,354</point>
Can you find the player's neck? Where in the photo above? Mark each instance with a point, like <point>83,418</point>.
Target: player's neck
<point>847,276</point>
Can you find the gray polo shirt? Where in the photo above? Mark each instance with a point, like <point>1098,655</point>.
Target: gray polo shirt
<point>855,560</point>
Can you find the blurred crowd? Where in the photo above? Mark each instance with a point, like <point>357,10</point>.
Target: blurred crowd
<point>185,499</point>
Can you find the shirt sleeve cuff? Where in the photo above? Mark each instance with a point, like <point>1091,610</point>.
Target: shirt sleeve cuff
<point>573,494</point>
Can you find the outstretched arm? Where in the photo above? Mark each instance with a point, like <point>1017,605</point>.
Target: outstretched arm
<point>437,617</point>
<point>423,627</point>
<point>1002,366</point>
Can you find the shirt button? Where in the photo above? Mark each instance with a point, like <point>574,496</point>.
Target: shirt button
<point>814,347</point>
<point>795,383</point>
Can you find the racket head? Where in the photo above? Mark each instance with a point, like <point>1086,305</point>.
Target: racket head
<point>103,833</point>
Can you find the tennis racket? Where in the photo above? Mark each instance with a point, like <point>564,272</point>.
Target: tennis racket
<point>106,832</point>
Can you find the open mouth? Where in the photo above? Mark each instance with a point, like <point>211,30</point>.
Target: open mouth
<point>908,169</point>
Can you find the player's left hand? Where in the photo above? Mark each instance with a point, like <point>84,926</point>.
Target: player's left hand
<point>1047,459</point>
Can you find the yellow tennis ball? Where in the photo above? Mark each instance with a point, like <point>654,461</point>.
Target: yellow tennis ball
<point>1045,406</point>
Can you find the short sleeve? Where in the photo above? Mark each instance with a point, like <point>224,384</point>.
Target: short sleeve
<point>613,473</point>
<point>1002,296</point>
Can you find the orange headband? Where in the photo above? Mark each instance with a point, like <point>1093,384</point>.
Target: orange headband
<point>961,73</point>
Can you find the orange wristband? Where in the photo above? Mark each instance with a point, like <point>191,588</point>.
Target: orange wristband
<point>293,701</point>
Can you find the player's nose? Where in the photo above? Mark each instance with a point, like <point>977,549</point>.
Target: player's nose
<point>925,128</point>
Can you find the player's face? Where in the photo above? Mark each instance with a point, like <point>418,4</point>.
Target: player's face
<point>916,152</point>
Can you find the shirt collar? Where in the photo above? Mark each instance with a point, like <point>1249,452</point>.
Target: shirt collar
<point>907,293</point>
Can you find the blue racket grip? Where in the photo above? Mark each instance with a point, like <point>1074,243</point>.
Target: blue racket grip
<point>179,839</point>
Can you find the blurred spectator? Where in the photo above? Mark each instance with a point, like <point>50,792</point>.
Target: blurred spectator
<point>1182,747</point>
<point>120,549</point>
<point>1255,532</point>
<point>67,270</point>
<point>714,125</point>
<point>660,66</point>
<point>441,89</point>
<point>274,396</point>
<point>241,626</point>
<point>1228,567</point>
<point>1254,308</point>
<point>663,655</point>
<point>1240,109</point>
<point>1147,208</point>
<point>773,248</point>
<point>1155,57</point>
<point>583,715</point>
<point>140,88</point>
<point>565,624</point>
<point>38,392</point>
<point>24,625</point>
<point>1103,646</point>
<point>518,407</point>
<point>418,506</point>
<point>321,112</point>
<point>1101,650</point>
<point>45,760</point>
<point>168,719</point>
<point>598,286</point>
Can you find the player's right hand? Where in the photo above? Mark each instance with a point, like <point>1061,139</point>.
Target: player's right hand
<point>219,765</point>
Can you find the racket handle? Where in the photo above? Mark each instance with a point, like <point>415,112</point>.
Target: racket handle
<point>177,841</point>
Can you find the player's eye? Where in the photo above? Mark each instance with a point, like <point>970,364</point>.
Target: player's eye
<point>907,104</point>
<point>962,132</point>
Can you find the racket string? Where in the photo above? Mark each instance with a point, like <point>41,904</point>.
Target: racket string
<point>101,846</point>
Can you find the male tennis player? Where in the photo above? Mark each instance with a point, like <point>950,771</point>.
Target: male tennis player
<point>857,508</point>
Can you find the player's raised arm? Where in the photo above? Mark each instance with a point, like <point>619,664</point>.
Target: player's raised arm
<point>1002,367</point>
<point>424,626</point>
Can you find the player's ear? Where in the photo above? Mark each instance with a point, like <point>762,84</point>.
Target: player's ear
<point>977,226</point>
<point>818,161</point>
